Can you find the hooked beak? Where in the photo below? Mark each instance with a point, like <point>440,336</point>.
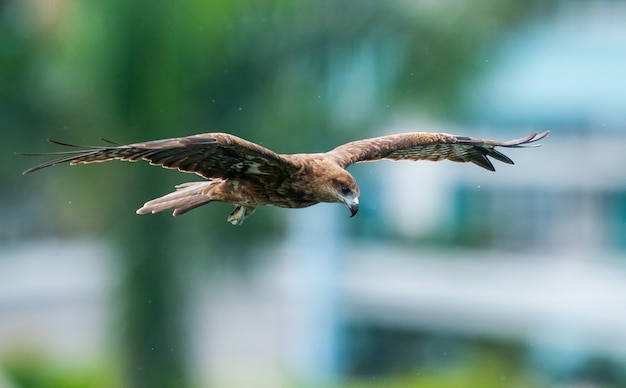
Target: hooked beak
<point>353,205</point>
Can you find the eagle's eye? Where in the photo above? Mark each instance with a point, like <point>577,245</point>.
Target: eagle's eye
<point>345,190</point>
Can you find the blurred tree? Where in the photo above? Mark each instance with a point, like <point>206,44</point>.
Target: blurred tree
<point>292,75</point>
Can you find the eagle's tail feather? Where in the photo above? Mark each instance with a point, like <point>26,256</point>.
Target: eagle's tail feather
<point>187,196</point>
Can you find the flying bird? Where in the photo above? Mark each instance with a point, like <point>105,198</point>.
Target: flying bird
<point>248,175</point>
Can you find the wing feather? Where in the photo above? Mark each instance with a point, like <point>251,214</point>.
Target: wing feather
<point>432,147</point>
<point>210,155</point>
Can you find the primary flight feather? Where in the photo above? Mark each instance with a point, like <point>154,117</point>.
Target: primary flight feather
<point>247,175</point>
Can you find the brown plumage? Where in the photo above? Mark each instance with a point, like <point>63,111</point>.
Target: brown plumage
<point>248,175</point>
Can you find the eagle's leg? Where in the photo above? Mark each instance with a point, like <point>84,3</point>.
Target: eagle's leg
<point>239,214</point>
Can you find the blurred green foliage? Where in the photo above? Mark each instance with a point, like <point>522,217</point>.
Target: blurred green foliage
<point>32,371</point>
<point>486,370</point>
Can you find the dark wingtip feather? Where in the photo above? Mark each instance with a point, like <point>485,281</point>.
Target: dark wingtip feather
<point>522,142</point>
<point>111,142</point>
<point>69,156</point>
<point>484,162</point>
<point>498,155</point>
<point>47,164</point>
<point>75,145</point>
<point>486,148</point>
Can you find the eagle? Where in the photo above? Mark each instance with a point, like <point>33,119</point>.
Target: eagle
<point>248,175</point>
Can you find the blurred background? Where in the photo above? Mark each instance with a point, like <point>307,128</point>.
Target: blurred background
<point>450,276</point>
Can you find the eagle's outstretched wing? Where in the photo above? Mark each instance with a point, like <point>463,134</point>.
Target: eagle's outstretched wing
<point>430,146</point>
<point>210,155</point>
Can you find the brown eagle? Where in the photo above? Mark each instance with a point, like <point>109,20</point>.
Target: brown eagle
<point>247,175</point>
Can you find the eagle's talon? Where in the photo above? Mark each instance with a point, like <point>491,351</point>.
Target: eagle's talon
<point>239,214</point>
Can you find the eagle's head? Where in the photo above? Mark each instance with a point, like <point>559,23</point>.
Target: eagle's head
<point>344,190</point>
<point>325,181</point>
